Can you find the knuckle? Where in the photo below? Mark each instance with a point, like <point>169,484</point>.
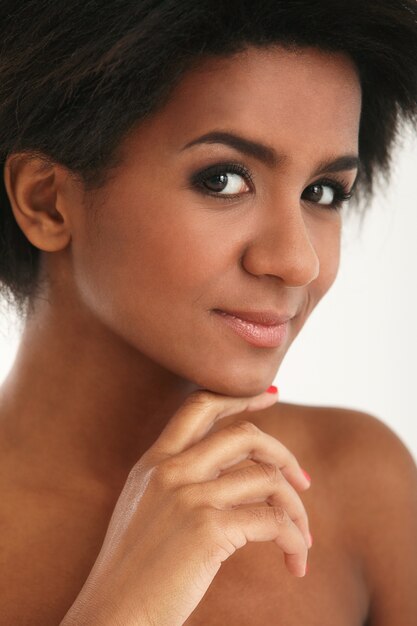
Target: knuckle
<point>244,427</point>
<point>259,513</point>
<point>187,496</point>
<point>270,471</point>
<point>301,519</point>
<point>199,397</point>
<point>280,515</point>
<point>164,474</point>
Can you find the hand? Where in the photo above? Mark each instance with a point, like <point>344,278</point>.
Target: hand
<point>176,520</point>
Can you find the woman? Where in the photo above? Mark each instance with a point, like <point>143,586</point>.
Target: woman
<point>175,176</point>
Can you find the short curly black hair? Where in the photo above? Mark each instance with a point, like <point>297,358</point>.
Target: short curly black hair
<point>76,76</point>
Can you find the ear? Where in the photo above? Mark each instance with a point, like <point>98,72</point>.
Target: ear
<point>35,189</point>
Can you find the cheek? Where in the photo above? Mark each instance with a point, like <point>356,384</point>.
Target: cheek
<point>149,276</point>
<point>146,261</point>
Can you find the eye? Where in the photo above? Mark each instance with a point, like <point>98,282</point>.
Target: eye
<point>320,196</point>
<point>226,180</point>
<point>229,183</point>
<point>333,196</point>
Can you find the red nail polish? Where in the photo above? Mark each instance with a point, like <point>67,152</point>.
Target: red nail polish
<point>272,389</point>
<point>306,475</point>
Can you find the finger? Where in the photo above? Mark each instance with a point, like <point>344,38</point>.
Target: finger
<point>234,443</point>
<point>266,524</point>
<point>256,483</point>
<point>197,415</point>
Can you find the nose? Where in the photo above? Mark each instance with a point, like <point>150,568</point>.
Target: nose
<point>282,245</point>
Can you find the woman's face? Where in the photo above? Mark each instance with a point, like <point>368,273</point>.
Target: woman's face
<point>162,249</point>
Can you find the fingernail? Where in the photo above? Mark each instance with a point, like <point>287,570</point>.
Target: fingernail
<point>272,389</point>
<point>311,539</point>
<point>306,475</point>
<point>306,568</point>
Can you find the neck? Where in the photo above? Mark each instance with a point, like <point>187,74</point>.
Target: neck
<point>79,405</point>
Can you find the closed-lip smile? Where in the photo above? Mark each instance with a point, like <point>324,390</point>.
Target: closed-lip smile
<point>265,318</point>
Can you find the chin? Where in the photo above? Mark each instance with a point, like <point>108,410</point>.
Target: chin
<point>238,384</point>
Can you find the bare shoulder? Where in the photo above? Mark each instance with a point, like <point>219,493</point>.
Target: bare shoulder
<point>359,451</point>
<point>335,436</point>
<point>370,476</point>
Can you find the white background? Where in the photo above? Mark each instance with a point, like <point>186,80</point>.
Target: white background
<point>358,348</point>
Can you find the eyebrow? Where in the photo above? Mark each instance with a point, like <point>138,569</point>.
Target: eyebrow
<point>267,155</point>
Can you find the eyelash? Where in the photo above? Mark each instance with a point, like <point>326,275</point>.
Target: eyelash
<point>341,190</point>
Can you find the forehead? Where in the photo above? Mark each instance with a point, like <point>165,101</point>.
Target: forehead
<point>296,96</point>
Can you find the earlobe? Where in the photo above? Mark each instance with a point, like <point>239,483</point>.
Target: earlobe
<point>32,188</point>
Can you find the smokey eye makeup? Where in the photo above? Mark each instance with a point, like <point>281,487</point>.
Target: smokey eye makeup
<point>212,181</point>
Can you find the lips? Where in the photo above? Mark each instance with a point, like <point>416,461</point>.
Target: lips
<point>271,335</point>
<point>266,318</point>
